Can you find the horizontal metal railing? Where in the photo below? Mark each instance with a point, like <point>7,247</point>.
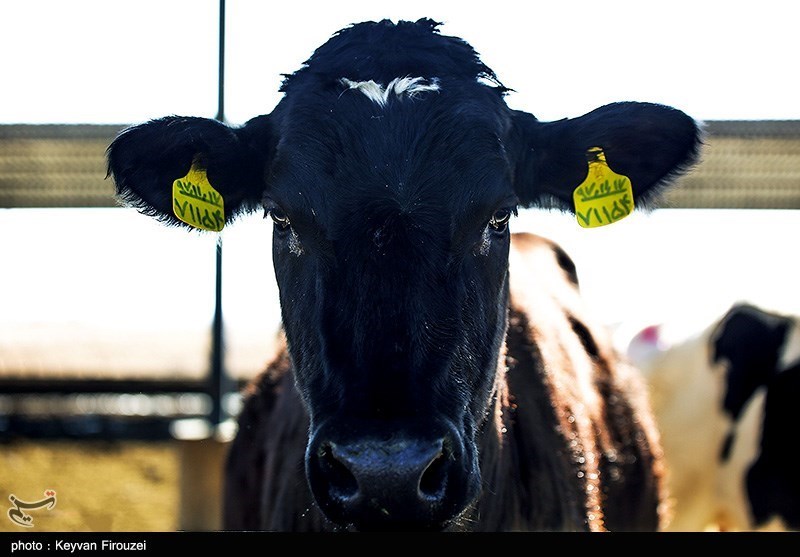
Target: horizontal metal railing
<point>744,164</point>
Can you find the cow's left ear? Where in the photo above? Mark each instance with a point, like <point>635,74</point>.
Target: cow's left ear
<point>227,165</point>
<point>649,143</point>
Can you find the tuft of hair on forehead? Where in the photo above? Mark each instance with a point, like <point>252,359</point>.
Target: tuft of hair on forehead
<point>382,51</point>
<point>410,87</point>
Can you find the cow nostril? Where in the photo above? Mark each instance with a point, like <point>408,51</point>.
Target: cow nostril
<point>433,479</point>
<point>342,482</point>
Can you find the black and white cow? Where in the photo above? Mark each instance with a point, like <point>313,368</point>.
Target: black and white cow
<point>391,169</point>
<point>724,400</point>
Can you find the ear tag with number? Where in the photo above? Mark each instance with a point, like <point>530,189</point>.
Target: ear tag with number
<point>196,202</point>
<point>604,197</point>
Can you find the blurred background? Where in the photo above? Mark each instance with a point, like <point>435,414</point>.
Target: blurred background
<point>123,342</point>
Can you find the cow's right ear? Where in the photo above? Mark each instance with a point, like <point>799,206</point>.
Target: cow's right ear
<point>145,161</point>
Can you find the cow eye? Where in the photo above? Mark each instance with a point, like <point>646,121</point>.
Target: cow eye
<point>280,218</point>
<point>499,220</point>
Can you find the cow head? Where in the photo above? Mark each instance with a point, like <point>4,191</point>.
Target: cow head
<point>390,170</point>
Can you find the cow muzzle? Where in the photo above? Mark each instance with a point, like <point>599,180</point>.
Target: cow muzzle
<point>398,482</point>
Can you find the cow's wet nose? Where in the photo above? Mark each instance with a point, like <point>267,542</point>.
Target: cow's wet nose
<point>377,484</point>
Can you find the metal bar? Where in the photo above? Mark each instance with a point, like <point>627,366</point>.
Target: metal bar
<point>221,65</point>
<point>83,428</point>
<point>219,382</point>
<point>788,129</point>
<point>75,386</point>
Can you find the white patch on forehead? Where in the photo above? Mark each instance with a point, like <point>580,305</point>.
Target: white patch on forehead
<point>409,87</point>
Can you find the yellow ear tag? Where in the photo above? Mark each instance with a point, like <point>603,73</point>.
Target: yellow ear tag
<point>604,197</point>
<point>196,202</point>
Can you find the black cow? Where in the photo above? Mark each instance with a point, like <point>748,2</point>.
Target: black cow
<point>724,400</point>
<point>391,168</point>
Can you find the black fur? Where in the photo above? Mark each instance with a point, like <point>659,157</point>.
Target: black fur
<point>750,341</point>
<point>773,488</point>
